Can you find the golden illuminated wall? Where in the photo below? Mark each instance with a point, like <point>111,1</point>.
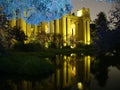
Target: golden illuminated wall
<point>72,27</point>
<point>76,26</point>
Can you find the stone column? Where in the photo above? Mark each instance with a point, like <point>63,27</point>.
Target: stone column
<point>76,30</point>
<point>51,27</point>
<point>64,29</point>
<point>80,33</point>
<point>88,31</point>
<point>84,30</point>
<point>68,30</point>
<point>57,26</point>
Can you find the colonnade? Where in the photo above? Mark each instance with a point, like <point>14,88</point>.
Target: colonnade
<point>70,27</point>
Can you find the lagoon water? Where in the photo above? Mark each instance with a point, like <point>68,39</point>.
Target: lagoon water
<point>72,72</point>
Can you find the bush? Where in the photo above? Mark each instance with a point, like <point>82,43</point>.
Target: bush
<point>66,47</point>
<point>2,50</point>
<point>33,47</point>
<point>53,45</point>
<point>28,47</point>
<point>27,64</point>
<point>80,45</point>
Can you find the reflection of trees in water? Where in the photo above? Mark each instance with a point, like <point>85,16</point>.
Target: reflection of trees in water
<point>100,68</point>
<point>70,73</point>
<point>26,85</point>
<point>101,73</point>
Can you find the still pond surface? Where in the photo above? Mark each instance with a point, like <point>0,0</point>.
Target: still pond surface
<point>72,73</point>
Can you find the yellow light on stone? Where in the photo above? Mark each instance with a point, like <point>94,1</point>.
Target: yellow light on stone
<point>73,29</point>
<point>70,27</point>
<point>80,86</point>
<point>73,70</point>
<point>79,13</point>
<point>65,57</point>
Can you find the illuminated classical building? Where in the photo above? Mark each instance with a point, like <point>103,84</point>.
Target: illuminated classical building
<point>73,28</point>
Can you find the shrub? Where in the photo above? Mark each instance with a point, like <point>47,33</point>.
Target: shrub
<point>2,50</point>
<point>28,47</point>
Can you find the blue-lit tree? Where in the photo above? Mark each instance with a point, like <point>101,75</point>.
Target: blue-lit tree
<point>35,11</point>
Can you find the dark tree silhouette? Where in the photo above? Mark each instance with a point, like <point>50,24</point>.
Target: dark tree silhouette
<point>101,36</point>
<point>115,24</point>
<point>115,16</point>
<point>104,39</point>
<point>5,28</point>
<point>18,35</point>
<point>93,31</point>
<point>101,21</point>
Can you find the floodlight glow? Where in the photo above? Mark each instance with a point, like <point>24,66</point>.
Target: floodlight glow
<point>35,11</point>
<point>79,13</point>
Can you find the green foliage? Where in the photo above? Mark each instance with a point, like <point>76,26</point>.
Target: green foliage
<point>42,38</point>
<point>80,45</point>
<point>66,47</point>
<point>92,30</point>
<point>101,20</point>
<point>53,45</point>
<point>18,34</point>
<point>106,39</point>
<point>25,64</point>
<point>57,40</point>
<point>18,46</point>
<point>99,39</point>
<point>5,28</point>
<point>115,16</point>
<point>2,50</point>
<point>4,23</point>
<point>28,47</point>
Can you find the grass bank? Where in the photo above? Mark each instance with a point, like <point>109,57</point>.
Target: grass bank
<point>32,61</point>
<point>25,63</point>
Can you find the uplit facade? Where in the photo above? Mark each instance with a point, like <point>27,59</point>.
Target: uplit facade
<point>73,28</point>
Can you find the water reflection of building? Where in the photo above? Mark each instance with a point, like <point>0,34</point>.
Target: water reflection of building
<point>73,71</point>
<point>70,72</point>
<point>83,73</point>
<point>65,71</point>
<point>72,27</point>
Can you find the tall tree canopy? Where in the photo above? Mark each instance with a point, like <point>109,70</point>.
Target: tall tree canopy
<point>5,28</point>
<point>115,16</point>
<point>105,39</point>
<point>35,11</point>
<point>101,37</point>
<point>101,21</point>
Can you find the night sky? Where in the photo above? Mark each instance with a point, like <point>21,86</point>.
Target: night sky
<point>94,6</point>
